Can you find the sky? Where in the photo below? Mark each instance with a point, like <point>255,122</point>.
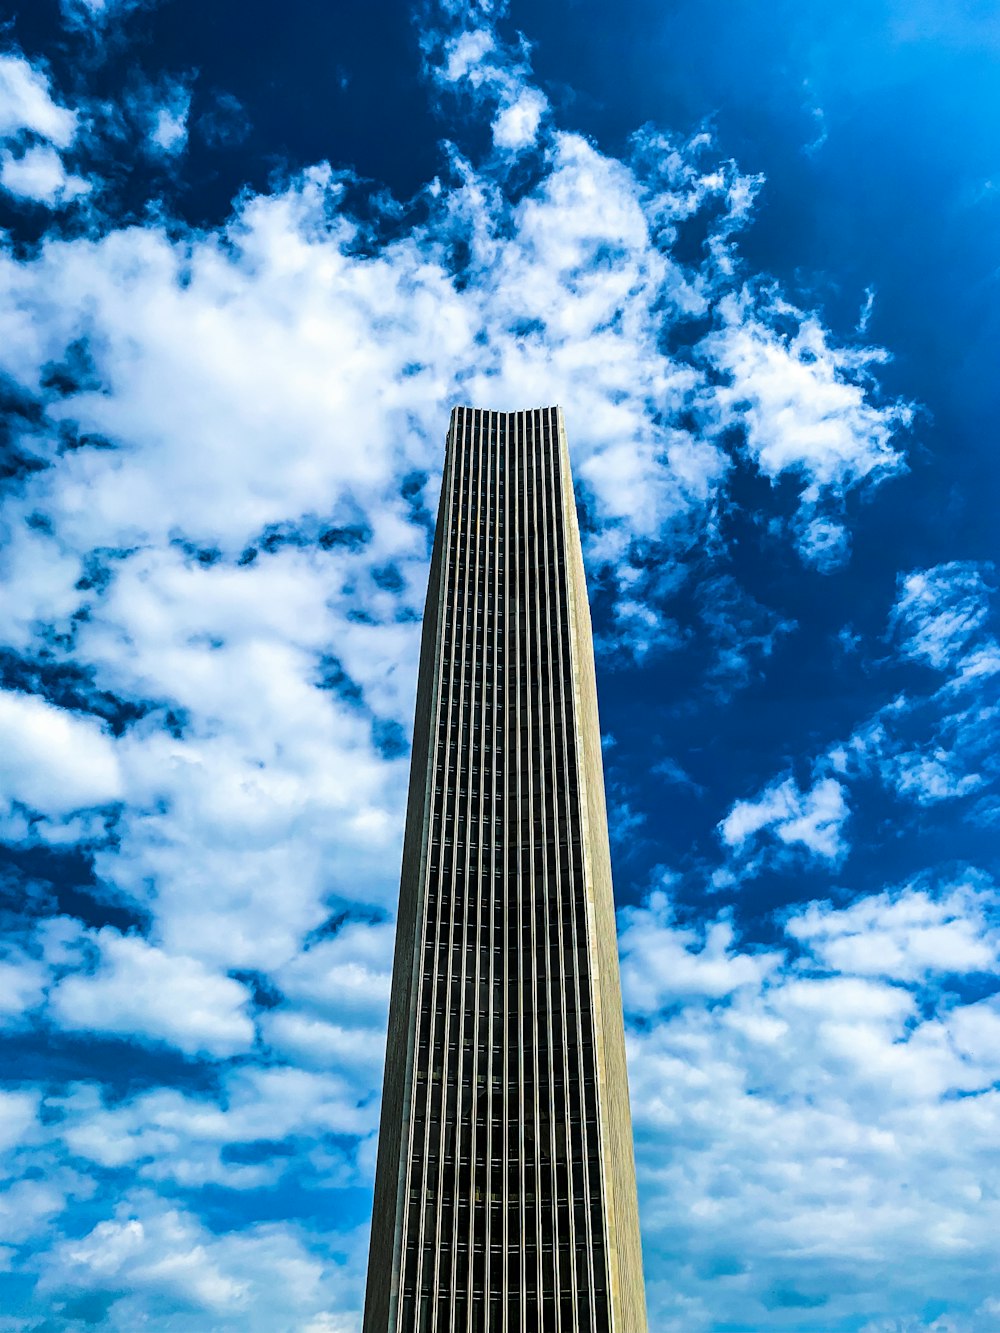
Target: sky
<point>250,257</point>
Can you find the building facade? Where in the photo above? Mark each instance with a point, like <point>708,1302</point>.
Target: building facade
<point>505,1197</point>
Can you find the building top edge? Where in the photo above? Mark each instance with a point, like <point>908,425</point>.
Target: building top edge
<point>516,412</point>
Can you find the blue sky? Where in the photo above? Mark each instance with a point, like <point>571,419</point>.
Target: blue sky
<point>251,256</point>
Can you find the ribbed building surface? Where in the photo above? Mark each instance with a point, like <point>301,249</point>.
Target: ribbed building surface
<point>505,1196</point>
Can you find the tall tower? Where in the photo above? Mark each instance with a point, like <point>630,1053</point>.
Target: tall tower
<point>505,1197</point>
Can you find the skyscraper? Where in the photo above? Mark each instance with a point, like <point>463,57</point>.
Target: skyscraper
<point>505,1197</point>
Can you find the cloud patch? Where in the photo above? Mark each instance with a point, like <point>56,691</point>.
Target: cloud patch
<point>818,1118</point>
<point>26,103</point>
<point>139,991</point>
<point>813,819</point>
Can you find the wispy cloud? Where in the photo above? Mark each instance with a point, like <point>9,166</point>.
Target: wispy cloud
<point>938,611</point>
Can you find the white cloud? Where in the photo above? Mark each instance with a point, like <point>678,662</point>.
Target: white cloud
<point>166,1135</point>
<point>26,103</point>
<point>465,55</point>
<point>22,986</point>
<point>35,171</point>
<point>210,361</point>
<point>939,610</point>
<point>938,745</point>
<point>160,109</point>
<point>52,760</point>
<point>663,962</point>
<point>819,1136</point>
<point>907,935</point>
<point>27,1208</point>
<point>345,977</point>
<point>170,129</point>
<point>38,174</point>
<point>141,991</point>
<point>148,1257</point>
<point>806,411</point>
<point>931,777</point>
<point>516,124</point>
<point>499,76</point>
<point>312,1043</point>
<point>165,1251</point>
<point>813,819</point>
<point>977,666</point>
<point>18,1116</point>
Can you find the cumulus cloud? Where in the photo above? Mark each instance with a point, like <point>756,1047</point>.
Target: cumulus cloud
<point>207,373</point>
<point>516,124</point>
<point>55,761</point>
<point>909,935</point>
<point>140,991</point>
<point>937,745</point>
<point>18,1114</point>
<point>28,1208</point>
<point>931,777</point>
<point>829,1113</point>
<point>26,103</point>
<point>160,108</point>
<point>148,1256</point>
<point>169,132</point>
<point>22,986</point>
<point>664,962</point>
<point>924,748</point>
<point>245,1138</point>
<point>474,59</point>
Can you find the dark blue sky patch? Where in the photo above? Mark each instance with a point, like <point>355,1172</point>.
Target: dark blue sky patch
<point>331,675</point>
<point>205,556</point>
<point>68,685</point>
<point>74,373</point>
<point>259,1150</point>
<point>98,570</point>
<point>790,1298</point>
<point>89,1307</point>
<point>277,535</point>
<point>338,920</point>
<point>297,1195</point>
<point>264,992</point>
<point>336,103</point>
<point>40,881</point>
<point>21,419</point>
<point>92,908</point>
<point>389,738</point>
<point>388,578</point>
<point>413,489</point>
<point>122,1068</point>
<point>351,536</point>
